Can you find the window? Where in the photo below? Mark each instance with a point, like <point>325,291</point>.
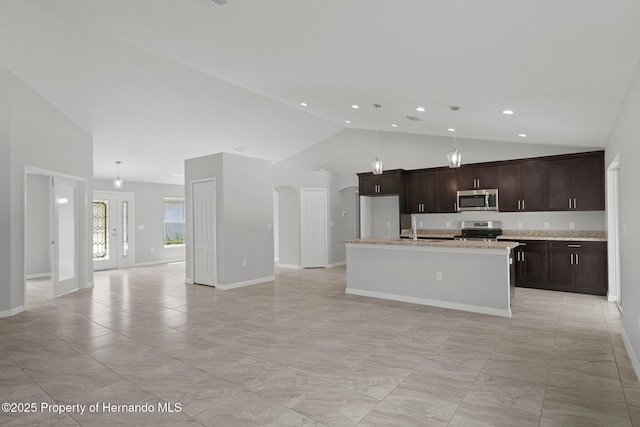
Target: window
<point>100,229</point>
<point>174,226</point>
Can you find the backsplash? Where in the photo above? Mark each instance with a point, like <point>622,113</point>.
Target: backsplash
<point>579,220</point>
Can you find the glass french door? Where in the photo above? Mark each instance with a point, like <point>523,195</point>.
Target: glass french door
<point>113,234</point>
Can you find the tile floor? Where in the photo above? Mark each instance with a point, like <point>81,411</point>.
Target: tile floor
<point>299,352</point>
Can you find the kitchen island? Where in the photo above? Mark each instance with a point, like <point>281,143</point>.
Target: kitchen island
<point>474,276</point>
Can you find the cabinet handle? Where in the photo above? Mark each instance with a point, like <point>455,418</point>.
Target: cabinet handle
<point>571,259</point>
<point>574,246</point>
<point>574,204</point>
<point>523,256</point>
<point>577,259</point>
<point>522,204</point>
<point>569,203</point>
<point>518,204</point>
<point>455,206</point>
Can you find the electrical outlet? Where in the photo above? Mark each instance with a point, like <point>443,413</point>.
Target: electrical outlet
<point>244,262</point>
<point>140,226</point>
<point>448,224</point>
<point>268,226</point>
<point>421,224</point>
<point>388,224</point>
<point>520,224</point>
<point>546,225</point>
<point>439,275</point>
<point>572,225</point>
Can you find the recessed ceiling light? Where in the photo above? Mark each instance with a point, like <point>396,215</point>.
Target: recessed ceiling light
<point>522,135</point>
<point>354,106</point>
<point>507,112</point>
<point>451,130</point>
<point>394,125</point>
<point>347,122</point>
<point>421,109</point>
<point>304,104</point>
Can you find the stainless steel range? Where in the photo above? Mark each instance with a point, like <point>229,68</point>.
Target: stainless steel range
<point>480,230</point>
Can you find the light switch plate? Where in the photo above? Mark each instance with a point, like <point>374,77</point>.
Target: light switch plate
<point>519,224</point>
<point>572,225</point>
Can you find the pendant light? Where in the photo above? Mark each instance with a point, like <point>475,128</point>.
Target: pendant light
<point>376,165</point>
<point>454,157</point>
<point>118,183</point>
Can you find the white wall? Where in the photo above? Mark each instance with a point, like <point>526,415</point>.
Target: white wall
<point>37,238</point>
<point>352,150</point>
<point>588,220</point>
<point>624,143</point>
<point>39,136</point>
<point>244,210</point>
<point>149,212</point>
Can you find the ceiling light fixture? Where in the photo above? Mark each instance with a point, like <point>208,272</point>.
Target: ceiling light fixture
<point>394,125</point>
<point>522,135</point>
<point>118,183</point>
<point>348,122</point>
<point>454,157</point>
<point>355,107</point>
<point>304,104</point>
<point>376,165</point>
<point>507,112</point>
<point>421,109</point>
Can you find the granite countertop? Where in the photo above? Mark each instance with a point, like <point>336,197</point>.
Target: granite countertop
<point>575,235</point>
<point>447,233</point>
<point>435,243</point>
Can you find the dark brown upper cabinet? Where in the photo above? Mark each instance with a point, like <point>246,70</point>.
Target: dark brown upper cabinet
<point>431,191</point>
<point>522,186</point>
<point>389,183</point>
<point>576,183</point>
<point>473,177</point>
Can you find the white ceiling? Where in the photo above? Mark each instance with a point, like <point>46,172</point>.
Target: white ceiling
<point>158,81</point>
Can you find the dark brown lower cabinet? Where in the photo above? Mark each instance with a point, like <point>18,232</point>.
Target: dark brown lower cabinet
<point>567,266</point>
<point>578,267</point>
<point>531,263</point>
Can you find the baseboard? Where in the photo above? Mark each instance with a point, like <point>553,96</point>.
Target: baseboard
<point>290,266</point>
<point>246,283</point>
<point>611,298</point>
<point>12,312</point>
<point>37,276</point>
<point>188,281</point>
<point>632,354</point>
<point>337,264</point>
<point>88,285</point>
<point>430,302</point>
<point>164,261</point>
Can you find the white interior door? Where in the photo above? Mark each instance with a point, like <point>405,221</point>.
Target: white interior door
<point>65,230</point>
<point>113,230</point>
<point>204,232</point>
<point>313,204</point>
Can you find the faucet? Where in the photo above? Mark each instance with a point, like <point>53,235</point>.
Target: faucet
<point>414,228</point>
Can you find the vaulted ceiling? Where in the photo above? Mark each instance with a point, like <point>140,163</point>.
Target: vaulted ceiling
<point>158,81</point>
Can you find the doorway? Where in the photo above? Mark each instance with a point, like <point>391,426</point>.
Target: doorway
<point>204,232</point>
<point>613,227</point>
<point>113,243</point>
<point>313,230</point>
<point>54,235</point>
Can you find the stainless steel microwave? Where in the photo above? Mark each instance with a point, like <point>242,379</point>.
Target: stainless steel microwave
<point>478,200</point>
